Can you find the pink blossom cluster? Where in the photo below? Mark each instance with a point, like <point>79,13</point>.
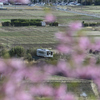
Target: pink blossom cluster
<point>21,82</point>
<point>80,64</point>
<point>15,1</point>
<point>50,18</point>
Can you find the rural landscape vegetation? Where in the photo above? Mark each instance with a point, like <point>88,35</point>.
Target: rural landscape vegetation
<point>21,34</point>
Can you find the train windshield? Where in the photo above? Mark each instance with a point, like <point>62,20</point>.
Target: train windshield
<point>49,53</point>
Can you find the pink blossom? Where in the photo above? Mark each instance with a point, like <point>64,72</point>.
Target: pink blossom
<point>3,1</point>
<point>50,18</point>
<point>42,90</point>
<point>3,66</point>
<point>23,1</point>
<point>84,43</point>
<point>97,82</point>
<point>75,26</point>
<point>61,91</point>
<point>18,1</point>
<point>69,96</point>
<point>63,37</point>
<point>16,63</point>
<point>61,94</point>
<point>50,69</point>
<point>36,74</point>
<point>23,95</point>
<point>63,67</point>
<point>64,49</point>
<point>88,72</point>
<point>10,88</point>
<point>78,58</point>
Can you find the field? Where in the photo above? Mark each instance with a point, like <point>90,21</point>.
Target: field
<point>38,36</point>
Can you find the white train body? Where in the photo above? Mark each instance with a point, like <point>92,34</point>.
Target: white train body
<point>44,53</point>
<point>1,4</point>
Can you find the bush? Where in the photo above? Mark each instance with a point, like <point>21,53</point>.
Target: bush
<point>17,51</point>
<point>16,23</point>
<point>32,52</point>
<point>29,57</point>
<point>85,24</point>
<point>26,22</point>
<point>54,24</point>
<point>5,53</point>
<point>6,24</point>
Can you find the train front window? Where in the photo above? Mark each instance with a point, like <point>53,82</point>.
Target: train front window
<point>47,52</point>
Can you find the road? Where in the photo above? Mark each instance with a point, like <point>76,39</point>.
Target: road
<point>77,12</point>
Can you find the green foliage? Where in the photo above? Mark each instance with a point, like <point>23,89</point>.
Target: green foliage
<point>23,22</point>
<point>53,60</point>
<point>55,84</point>
<point>31,51</point>
<point>98,61</point>
<point>54,24</point>
<point>85,24</point>
<point>29,57</point>
<point>97,2</point>
<point>5,53</point>
<point>17,51</point>
<point>6,23</point>
<point>26,22</point>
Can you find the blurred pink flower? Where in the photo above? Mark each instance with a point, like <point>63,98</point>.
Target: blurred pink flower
<point>16,63</point>
<point>84,43</point>
<point>3,66</point>
<point>23,95</point>
<point>63,37</point>
<point>3,1</point>
<point>50,69</point>
<point>63,67</point>
<point>19,1</point>
<point>50,18</point>
<point>61,91</point>
<point>10,88</point>
<point>61,94</point>
<point>64,49</point>
<point>86,72</point>
<point>75,26</point>
<point>42,90</point>
<point>23,1</point>
<point>97,82</point>
<point>36,74</point>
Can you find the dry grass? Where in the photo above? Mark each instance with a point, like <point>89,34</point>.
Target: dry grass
<point>35,36</point>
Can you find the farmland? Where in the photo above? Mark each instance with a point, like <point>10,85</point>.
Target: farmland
<point>31,36</point>
<point>38,36</point>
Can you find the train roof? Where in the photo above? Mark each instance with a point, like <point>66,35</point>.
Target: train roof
<point>43,50</point>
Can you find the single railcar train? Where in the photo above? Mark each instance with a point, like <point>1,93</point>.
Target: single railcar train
<point>44,53</point>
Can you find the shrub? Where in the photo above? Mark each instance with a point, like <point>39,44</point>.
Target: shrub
<point>17,23</point>
<point>32,52</point>
<point>29,57</point>
<point>6,24</point>
<point>54,24</point>
<point>85,24</point>
<point>5,53</point>
<point>17,51</point>
<point>25,24</point>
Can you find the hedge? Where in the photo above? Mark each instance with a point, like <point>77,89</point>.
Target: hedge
<point>53,24</point>
<point>26,22</point>
<point>17,51</point>
<point>23,22</point>
<point>90,24</point>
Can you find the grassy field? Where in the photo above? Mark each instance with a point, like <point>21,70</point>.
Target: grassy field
<point>36,36</point>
